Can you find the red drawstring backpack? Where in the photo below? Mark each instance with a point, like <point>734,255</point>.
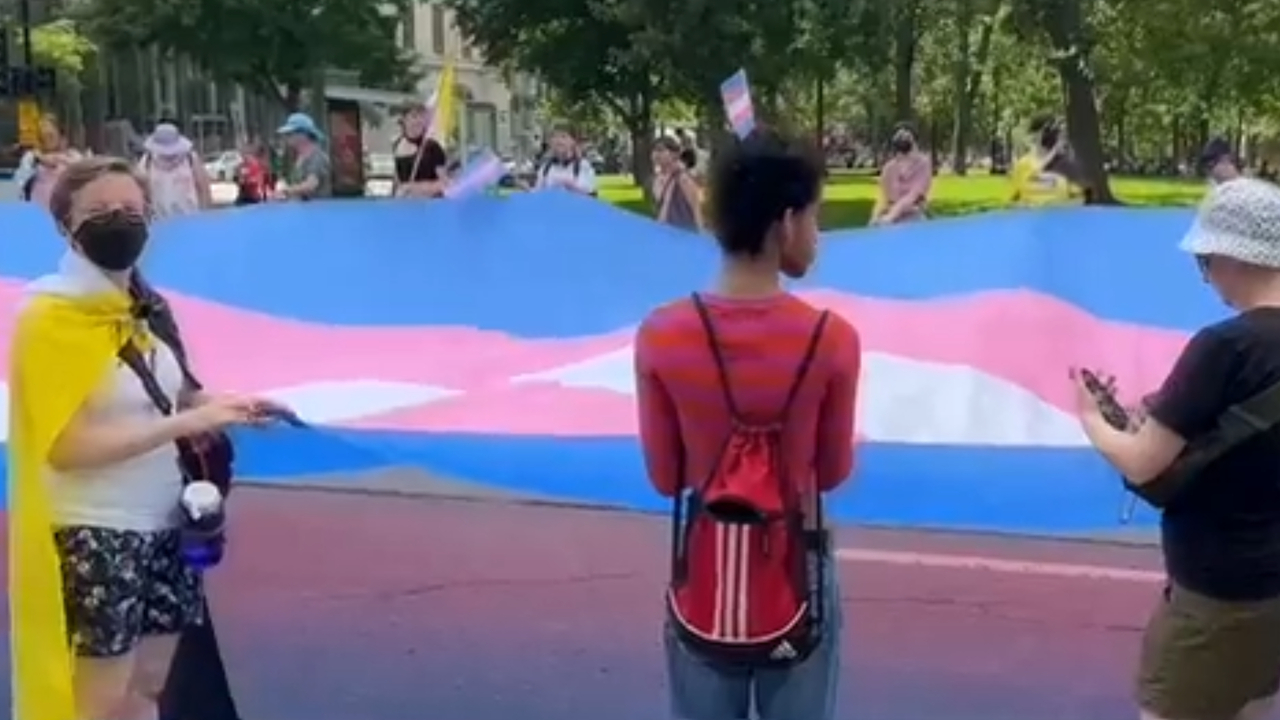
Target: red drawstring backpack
<point>746,563</point>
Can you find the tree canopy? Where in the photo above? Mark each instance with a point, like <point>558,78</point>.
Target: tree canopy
<point>276,47</point>
<point>1134,80</point>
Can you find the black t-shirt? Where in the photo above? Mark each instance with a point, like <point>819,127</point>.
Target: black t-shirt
<point>427,168</point>
<point>1221,535</point>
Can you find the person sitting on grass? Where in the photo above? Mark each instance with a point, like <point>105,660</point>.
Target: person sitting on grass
<point>1047,174</point>
<point>904,181</point>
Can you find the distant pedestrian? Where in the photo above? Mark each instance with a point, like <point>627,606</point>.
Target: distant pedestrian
<point>176,179</point>
<point>40,166</point>
<point>677,196</point>
<point>311,176</point>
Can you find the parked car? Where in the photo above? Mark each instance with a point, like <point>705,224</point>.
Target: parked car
<point>222,166</point>
<point>517,171</point>
<point>380,165</point>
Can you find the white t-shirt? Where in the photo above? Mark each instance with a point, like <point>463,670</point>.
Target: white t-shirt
<point>577,173</point>
<point>141,493</point>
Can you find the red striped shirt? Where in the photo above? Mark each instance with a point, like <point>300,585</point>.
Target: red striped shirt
<point>683,418</point>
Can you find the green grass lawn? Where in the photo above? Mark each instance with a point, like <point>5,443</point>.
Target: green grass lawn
<point>848,198</point>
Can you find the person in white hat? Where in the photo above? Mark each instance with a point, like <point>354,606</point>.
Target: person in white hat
<point>176,178</point>
<point>1212,646</point>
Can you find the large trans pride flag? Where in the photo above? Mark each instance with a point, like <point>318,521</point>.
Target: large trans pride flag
<point>489,340</point>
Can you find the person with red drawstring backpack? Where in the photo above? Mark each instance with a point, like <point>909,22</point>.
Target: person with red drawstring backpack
<point>746,400</point>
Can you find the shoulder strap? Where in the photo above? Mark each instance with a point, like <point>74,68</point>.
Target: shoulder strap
<point>132,358</point>
<point>722,370</point>
<point>577,167</point>
<point>1243,421</point>
<point>1237,424</point>
<point>151,307</point>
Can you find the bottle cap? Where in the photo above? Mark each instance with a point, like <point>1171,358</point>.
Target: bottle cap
<point>201,499</point>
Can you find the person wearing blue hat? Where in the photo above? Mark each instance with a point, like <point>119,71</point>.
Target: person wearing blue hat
<point>311,175</point>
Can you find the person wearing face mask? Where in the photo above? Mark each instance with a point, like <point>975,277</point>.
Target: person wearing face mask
<point>751,371</point>
<point>1212,646</point>
<point>904,181</point>
<point>95,480</point>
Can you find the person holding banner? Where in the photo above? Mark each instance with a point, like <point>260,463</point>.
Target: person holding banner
<point>748,391</point>
<point>678,199</point>
<point>421,163</point>
<point>312,175</point>
<point>904,181</point>
<point>565,168</point>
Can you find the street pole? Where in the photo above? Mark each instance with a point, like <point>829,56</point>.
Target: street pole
<point>24,11</point>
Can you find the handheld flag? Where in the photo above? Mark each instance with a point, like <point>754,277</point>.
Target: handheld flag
<point>442,112</point>
<point>736,94</point>
<point>483,170</point>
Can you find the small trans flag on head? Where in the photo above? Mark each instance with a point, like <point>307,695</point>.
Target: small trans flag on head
<point>736,95</point>
<point>481,171</point>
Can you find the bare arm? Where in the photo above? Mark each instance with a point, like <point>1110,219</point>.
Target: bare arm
<point>834,459</point>
<point>86,444</point>
<point>659,425</point>
<point>921,181</point>
<point>204,188</point>
<point>693,195</point>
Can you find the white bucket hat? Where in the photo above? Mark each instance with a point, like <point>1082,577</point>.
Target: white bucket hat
<point>167,142</point>
<point>1239,219</point>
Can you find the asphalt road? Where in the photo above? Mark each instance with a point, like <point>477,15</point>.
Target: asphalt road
<point>336,605</point>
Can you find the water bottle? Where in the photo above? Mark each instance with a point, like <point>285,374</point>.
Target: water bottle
<point>203,532</point>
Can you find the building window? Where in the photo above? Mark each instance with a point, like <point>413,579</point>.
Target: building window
<point>407,19</point>
<point>437,30</point>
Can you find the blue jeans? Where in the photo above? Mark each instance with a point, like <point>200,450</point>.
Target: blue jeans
<point>702,690</point>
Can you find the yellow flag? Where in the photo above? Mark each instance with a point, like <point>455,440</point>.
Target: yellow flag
<point>445,110</point>
<point>62,349</point>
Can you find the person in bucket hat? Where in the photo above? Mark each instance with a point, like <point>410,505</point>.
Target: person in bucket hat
<point>310,175</point>
<point>1211,648</point>
<point>176,179</point>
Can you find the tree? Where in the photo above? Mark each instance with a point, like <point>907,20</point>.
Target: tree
<point>277,48</point>
<point>590,51</point>
<point>60,45</point>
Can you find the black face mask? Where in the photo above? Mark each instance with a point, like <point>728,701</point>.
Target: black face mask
<point>903,145</point>
<point>114,240</point>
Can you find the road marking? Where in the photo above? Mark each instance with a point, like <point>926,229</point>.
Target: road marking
<point>998,565</point>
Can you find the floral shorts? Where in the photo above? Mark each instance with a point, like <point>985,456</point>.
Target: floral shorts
<point>120,585</point>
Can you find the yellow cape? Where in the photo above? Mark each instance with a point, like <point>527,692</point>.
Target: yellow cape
<point>62,349</point>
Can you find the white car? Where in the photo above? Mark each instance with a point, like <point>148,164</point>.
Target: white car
<point>222,166</point>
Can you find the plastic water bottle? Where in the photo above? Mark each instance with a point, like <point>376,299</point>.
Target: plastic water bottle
<point>203,532</point>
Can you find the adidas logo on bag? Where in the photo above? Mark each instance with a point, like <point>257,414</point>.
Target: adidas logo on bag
<point>784,651</point>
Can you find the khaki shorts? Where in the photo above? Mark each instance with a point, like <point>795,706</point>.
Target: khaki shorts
<point>1205,659</point>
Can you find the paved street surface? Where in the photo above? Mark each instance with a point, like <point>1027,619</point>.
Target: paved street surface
<point>337,605</point>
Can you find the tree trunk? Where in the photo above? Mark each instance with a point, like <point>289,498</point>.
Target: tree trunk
<point>1064,25</point>
<point>962,63</point>
<point>906,38</point>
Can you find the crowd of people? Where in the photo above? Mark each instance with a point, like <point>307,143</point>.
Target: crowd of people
<point>746,399</point>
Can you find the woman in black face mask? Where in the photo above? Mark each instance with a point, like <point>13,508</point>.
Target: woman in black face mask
<point>101,398</point>
<point>904,181</point>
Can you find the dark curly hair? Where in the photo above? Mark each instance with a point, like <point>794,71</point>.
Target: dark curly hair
<point>755,182</point>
